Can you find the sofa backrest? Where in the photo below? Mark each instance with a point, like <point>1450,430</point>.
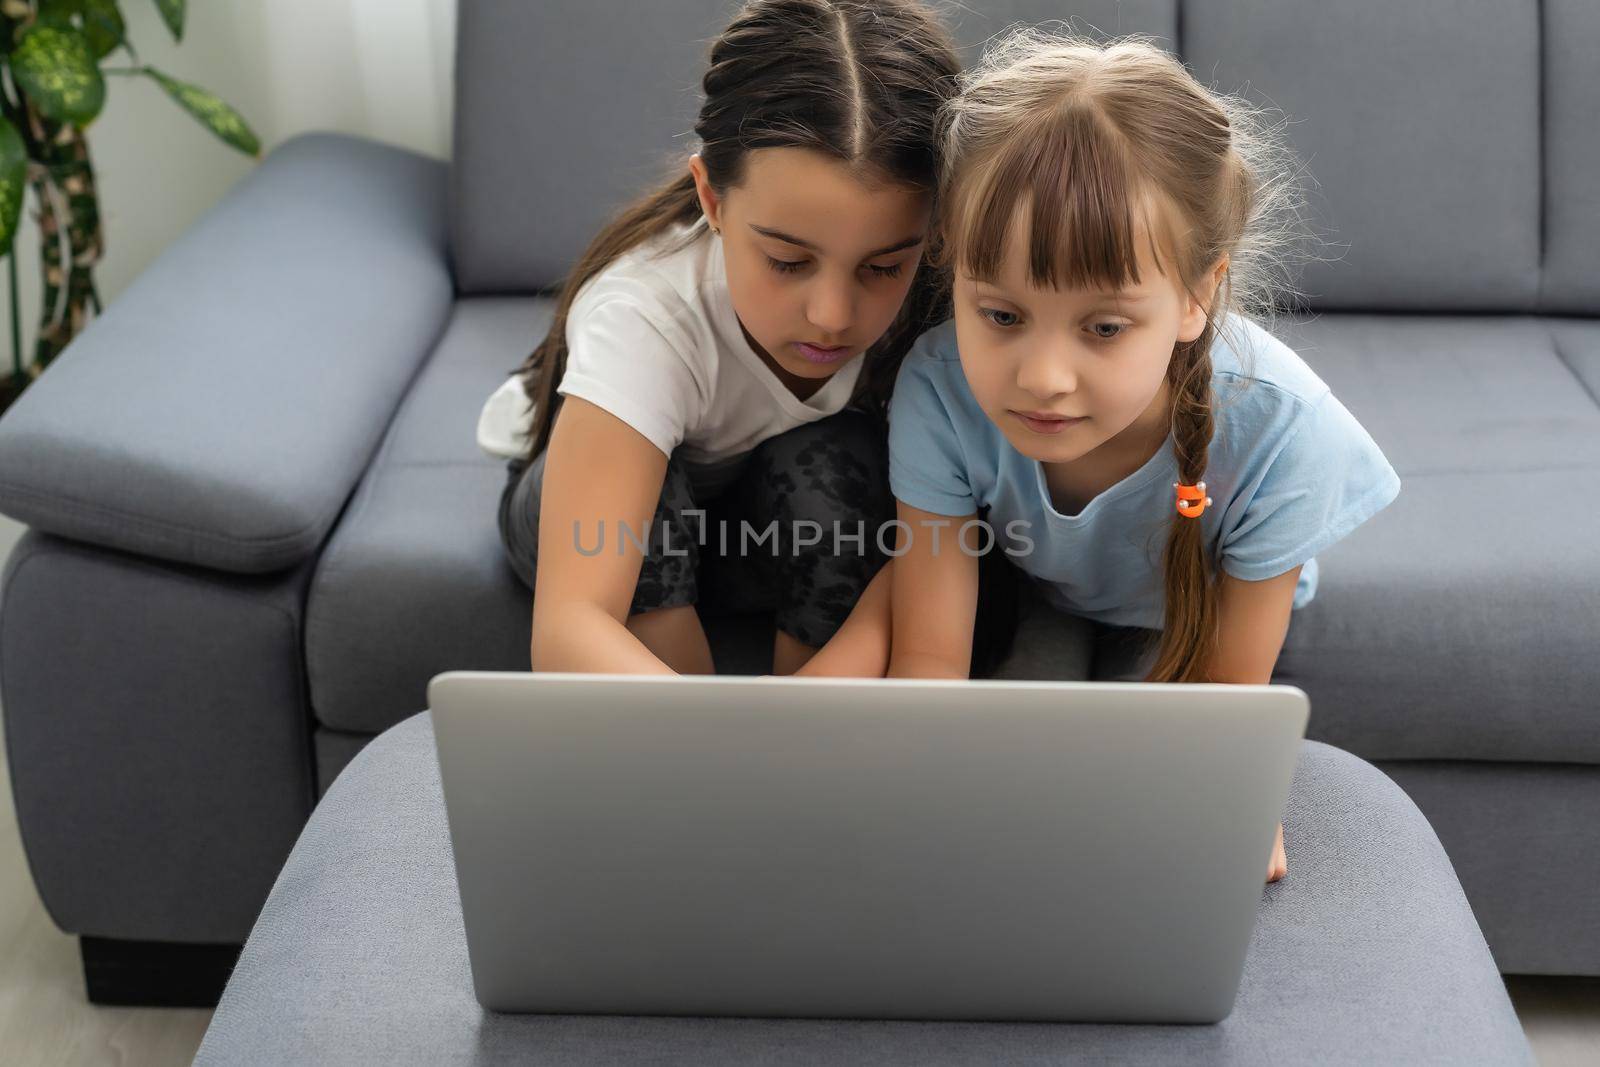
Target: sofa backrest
<point>1451,141</point>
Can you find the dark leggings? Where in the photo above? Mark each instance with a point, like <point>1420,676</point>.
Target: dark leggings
<point>803,484</point>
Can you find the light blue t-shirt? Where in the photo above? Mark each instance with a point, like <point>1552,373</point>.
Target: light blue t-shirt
<point>1290,472</point>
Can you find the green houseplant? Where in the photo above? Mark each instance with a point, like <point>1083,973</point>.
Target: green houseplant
<point>52,86</point>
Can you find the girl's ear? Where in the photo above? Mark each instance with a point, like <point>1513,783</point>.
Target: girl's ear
<point>1197,306</point>
<point>710,205</point>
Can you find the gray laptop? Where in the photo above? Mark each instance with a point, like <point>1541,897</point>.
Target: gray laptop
<point>895,849</point>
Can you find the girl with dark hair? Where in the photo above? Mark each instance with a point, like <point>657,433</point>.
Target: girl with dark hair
<point>726,345</point>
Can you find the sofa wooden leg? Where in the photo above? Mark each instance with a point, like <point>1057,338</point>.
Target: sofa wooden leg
<point>160,974</point>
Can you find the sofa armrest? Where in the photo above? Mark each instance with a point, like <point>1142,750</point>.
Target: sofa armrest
<point>222,409</point>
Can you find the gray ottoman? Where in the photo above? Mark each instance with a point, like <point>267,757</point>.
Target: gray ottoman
<point>1367,953</point>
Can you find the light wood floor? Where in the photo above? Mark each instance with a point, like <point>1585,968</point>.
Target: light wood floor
<point>45,1020</point>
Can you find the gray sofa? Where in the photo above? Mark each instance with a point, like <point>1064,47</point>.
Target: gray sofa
<point>260,522</point>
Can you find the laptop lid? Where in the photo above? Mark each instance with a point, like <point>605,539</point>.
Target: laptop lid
<point>898,848</point>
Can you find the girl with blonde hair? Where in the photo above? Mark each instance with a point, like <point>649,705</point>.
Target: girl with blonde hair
<point>1103,418</point>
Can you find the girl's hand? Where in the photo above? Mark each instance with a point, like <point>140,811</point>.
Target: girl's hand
<point>860,648</point>
<point>1279,864</point>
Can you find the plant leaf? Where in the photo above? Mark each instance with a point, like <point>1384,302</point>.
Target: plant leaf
<point>215,115</point>
<point>99,21</point>
<point>13,180</point>
<point>103,27</point>
<point>58,14</point>
<point>172,15</point>
<point>57,71</point>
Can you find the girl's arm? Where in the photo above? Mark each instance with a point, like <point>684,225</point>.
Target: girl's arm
<point>860,648</point>
<point>916,616</point>
<point>598,468</point>
<point>1253,621</point>
<point>934,597</point>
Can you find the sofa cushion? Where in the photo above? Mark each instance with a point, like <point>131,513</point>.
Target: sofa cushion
<point>553,133</point>
<point>1424,145</point>
<point>1572,157</point>
<point>1461,622</point>
<point>414,579</point>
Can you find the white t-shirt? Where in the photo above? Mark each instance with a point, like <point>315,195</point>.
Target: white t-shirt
<point>654,340</point>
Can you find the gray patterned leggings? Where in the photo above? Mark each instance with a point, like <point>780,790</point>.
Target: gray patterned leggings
<point>801,483</point>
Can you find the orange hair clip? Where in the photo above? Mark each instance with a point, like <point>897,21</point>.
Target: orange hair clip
<point>1192,499</point>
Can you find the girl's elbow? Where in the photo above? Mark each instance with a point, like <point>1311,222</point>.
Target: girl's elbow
<point>552,625</point>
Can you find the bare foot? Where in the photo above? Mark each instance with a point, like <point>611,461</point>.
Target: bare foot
<point>1279,865</point>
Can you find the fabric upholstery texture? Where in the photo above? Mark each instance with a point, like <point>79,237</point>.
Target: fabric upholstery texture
<point>158,737</point>
<point>1516,835</point>
<point>1366,953</point>
<point>221,409</point>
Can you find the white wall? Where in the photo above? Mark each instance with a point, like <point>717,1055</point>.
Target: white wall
<point>380,68</point>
